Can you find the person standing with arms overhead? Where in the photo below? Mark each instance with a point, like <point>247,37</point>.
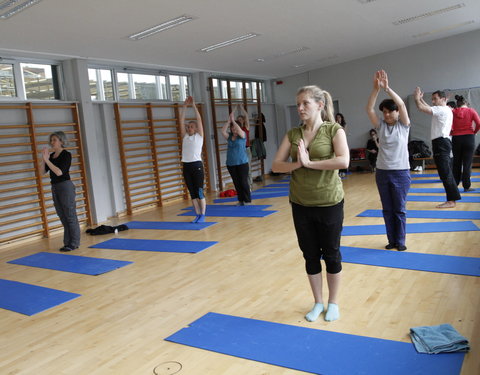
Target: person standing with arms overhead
<point>442,118</point>
<point>393,168</point>
<point>63,191</point>
<point>317,150</point>
<point>193,172</point>
<point>244,123</point>
<point>463,141</point>
<point>237,159</point>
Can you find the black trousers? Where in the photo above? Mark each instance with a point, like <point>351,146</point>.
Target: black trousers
<point>463,147</point>
<point>442,148</point>
<point>63,194</point>
<point>318,233</point>
<point>239,174</point>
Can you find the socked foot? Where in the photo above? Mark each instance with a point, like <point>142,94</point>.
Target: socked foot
<point>315,312</point>
<point>333,313</point>
<point>447,204</point>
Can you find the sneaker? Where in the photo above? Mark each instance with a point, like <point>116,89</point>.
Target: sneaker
<point>66,248</point>
<point>390,246</point>
<point>401,248</point>
<point>469,189</point>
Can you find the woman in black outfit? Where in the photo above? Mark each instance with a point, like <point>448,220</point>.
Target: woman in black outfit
<point>63,191</point>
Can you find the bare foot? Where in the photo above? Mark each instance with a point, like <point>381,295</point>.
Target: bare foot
<point>448,204</point>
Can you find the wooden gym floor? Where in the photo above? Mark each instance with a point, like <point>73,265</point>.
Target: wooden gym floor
<point>256,270</point>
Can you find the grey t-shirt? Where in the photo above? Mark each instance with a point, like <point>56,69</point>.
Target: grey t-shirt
<point>393,151</point>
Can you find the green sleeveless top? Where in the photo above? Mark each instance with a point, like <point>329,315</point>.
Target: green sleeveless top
<point>312,187</point>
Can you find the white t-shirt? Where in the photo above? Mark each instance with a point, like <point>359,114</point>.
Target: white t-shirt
<point>393,149</point>
<point>192,148</point>
<point>441,122</point>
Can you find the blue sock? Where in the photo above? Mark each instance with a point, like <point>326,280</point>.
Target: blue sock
<point>315,312</point>
<point>332,312</point>
<point>200,219</point>
<point>196,219</point>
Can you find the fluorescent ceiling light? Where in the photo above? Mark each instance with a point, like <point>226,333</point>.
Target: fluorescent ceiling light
<point>447,28</point>
<point>428,14</point>
<point>16,9</point>
<point>162,27</point>
<point>281,54</point>
<point>229,42</point>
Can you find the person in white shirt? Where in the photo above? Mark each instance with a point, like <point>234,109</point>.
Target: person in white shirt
<point>442,118</point>
<point>193,172</point>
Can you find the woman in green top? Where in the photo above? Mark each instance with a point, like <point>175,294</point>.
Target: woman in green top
<point>318,149</point>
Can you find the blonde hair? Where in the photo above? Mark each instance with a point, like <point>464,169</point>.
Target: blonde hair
<point>319,95</point>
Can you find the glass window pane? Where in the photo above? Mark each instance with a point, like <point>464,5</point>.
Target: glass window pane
<point>217,94</point>
<point>7,81</point>
<point>162,87</point>
<point>107,83</point>
<point>145,86</point>
<point>122,84</point>
<point>38,81</point>
<point>92,81</point>
<point>224,89</point>
<point>236,90</point>
<point>179,87</point>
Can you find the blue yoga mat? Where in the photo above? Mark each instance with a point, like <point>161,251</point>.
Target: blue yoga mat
<point>232,206</point>
<point>254,196</point>
<point>451,226</point>
<point>70,263</point>
<point>278,186</point>
<point>154,245</point>
<point>439,190</point>
<point>414,175</point>
<point>232,213</point>
<point>412,261</point>
<point>266,190</point>
<point>312,350</point>
<point>414,181</point>
<point>30,299</point>
<point>429,214</point>
<point>169,225</point>
<point>433,198</point>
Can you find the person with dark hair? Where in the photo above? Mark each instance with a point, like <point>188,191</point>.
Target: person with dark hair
<point>63,191</point>
<point>463,141</point>
<point>442,118</point>
<point>244,123</point>
<point>372,149</point>
<point>340,119</point>
<point>237,159</point>
<point>318,148</point>
<point>193,172</point>
<point>393,168</point>
<point>452,104</point>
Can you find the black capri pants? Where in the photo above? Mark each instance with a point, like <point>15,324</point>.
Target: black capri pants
<point>194,175</point>
<point>318,231</point>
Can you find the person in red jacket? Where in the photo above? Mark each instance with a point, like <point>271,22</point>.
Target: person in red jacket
<point>463,141</point>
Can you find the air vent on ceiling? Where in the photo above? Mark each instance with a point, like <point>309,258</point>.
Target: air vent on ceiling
<point>428,14</point>
<point>281,54</point>
<point>447,28</point>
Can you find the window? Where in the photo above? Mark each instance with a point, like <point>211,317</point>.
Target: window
<point>29,81</point>
<point>101,84</point>
<point>179,87</point>
<point>7,81</point>
<point>220,89</point>
<point>40,81</point>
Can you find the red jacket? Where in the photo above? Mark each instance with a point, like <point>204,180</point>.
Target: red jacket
<point>462,121</point>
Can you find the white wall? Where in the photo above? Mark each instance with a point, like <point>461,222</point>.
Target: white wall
<point>448,63</point>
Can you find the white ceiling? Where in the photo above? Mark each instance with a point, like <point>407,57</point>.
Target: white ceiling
<point>334,31</point>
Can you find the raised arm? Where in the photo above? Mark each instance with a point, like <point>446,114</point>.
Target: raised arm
<point>198,118</point>
<point>183,109</point>
<point>280,162</point>
<point>372,99</point>
<point>245,115</point>
<point>402,108</point>
<point>420,102</point>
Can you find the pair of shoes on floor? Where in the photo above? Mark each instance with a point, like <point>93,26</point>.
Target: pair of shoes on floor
<point>65,249</point>
<point>395,246</point>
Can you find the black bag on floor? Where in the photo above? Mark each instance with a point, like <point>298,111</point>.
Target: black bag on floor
<point>106,229</point>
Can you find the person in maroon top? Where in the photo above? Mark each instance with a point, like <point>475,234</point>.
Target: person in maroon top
<point>63,191</point>
<point>463,141</point>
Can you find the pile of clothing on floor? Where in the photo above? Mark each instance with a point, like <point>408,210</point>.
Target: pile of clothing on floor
<point>106,229</point>
<point>438,339</point>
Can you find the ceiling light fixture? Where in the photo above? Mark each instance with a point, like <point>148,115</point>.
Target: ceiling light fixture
<point>161,27</point>
<point>238,39</point>
<point>281,54</point>
<point>428,14</point>
<point>448,28</point>
<point>17,9</point>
